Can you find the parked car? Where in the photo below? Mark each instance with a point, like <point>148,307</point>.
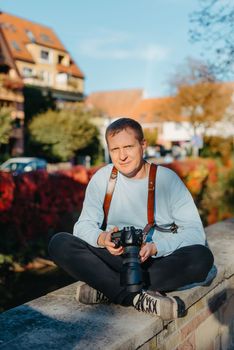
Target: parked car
<point>20,165</point>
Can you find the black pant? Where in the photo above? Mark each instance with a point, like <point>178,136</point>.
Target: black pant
<point>101,270</point>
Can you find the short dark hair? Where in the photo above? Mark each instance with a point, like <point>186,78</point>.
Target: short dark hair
<point>122,124</point>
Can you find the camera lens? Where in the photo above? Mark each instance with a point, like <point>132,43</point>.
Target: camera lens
<point>131,275</point>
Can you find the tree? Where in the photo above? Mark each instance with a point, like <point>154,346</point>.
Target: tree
<point>213,24</point>
<point>151,136</point>
<point>199,97</point>
<point>5,125</point>
<point>35,101</point>
<point>62,134</point>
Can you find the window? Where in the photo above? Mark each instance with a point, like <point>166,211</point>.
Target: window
<point>17,123</point>
<point>60,59</point>
<point>178,126</point>
<point>45,77</point>
<point>30,35</point>
<point>27,72</point>
<point>45,55</point>
<point>61,78</point>
<point>45,38</point>
<point>15,45</point>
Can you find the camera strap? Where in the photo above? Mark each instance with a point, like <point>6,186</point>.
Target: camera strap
<point>172,228</point>
<point>109,194</point>
<point>150,205</point>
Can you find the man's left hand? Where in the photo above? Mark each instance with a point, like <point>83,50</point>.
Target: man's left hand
<point>147,250</point>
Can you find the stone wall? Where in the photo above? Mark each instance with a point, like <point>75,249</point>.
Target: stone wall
<point>58,321</point>
<point>209,324</point>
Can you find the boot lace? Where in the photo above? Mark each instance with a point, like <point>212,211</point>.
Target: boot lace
<point>146,303</point>
<point>101,298</point>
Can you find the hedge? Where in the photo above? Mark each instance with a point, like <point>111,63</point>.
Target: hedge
<point>35,205</point>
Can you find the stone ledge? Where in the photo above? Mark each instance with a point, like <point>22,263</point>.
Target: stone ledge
<point>57,320</point>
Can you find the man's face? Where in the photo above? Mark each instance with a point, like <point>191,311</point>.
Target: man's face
<point>126,152</point>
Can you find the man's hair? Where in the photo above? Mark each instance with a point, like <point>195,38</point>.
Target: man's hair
<point>122,124</point>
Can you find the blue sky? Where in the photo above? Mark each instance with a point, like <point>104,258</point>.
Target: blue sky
<point>120,44</point>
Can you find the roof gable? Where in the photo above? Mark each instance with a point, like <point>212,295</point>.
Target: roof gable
<point>115,103</point>
<point>22,32</point>
<point>19,33</point>
<point>152,110</point>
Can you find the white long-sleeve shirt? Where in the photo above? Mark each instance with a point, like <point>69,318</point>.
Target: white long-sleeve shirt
<point>174,203</point>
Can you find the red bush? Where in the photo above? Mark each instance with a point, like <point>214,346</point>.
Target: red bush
<point>7,187</point>
<point>203,176</point>
<point>40,202</point>
<point>33,204</point>
<point>196,173</point>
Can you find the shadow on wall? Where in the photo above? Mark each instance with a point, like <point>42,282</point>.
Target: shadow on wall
<point>221,305</point>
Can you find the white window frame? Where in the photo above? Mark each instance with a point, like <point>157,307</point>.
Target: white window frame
<point>27,75</point>
<point>46,60</point>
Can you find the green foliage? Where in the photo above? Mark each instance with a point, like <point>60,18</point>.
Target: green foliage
<point>35,101</point>
<point>62,134</point>
<point>228,196</point>
<point>94,150</point>
<point>218,147</point>
<point>5,259</point>
<point>5,125</point>
<point>151,136</point>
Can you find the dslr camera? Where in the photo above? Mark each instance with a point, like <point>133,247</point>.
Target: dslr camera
<point>131,240</point>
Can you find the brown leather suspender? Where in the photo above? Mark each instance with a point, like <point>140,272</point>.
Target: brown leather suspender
<point>151,193</point>
<point>109,193</point>
<point>151,200</point>
<point>151,196</point>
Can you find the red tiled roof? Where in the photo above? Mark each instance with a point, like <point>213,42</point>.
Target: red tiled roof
<point>115,103</point>
<point>155,110</point>
<point>15,31</point>
<point>72,69</point>
<point>130,103</point>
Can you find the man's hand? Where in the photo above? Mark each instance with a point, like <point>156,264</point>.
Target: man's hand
<point>104,240</point>
<point>147,250</point>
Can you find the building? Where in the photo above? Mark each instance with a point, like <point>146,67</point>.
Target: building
<point>157,113</point>
<point>42,59</point>
<point>32,55</point>
<point>151,113</point>
<point>110,105</point>
<point>11,96</point>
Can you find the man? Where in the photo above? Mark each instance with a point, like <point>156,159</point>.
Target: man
<point>169,260</point>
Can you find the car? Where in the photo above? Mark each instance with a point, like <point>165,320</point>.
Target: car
<point>20,165</point>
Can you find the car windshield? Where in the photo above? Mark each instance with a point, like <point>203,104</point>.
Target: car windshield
<point>15,166</point>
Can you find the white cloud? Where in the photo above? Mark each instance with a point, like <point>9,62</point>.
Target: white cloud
<point>120,46</point>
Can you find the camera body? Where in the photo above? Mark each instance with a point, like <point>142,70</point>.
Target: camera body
<point>128,236</point>
<point>131,240</point>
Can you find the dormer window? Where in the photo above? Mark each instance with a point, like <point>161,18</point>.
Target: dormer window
<point>15,45</point>
<point>30,35</point>
<point>45,38</point>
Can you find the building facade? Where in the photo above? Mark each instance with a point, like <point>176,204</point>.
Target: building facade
<point>11,98</point>
<point>32,55</point>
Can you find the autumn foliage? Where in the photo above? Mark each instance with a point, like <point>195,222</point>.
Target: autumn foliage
<point>33,206</point>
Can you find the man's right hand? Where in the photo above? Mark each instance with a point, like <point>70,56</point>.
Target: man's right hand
<point>104,240</point>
